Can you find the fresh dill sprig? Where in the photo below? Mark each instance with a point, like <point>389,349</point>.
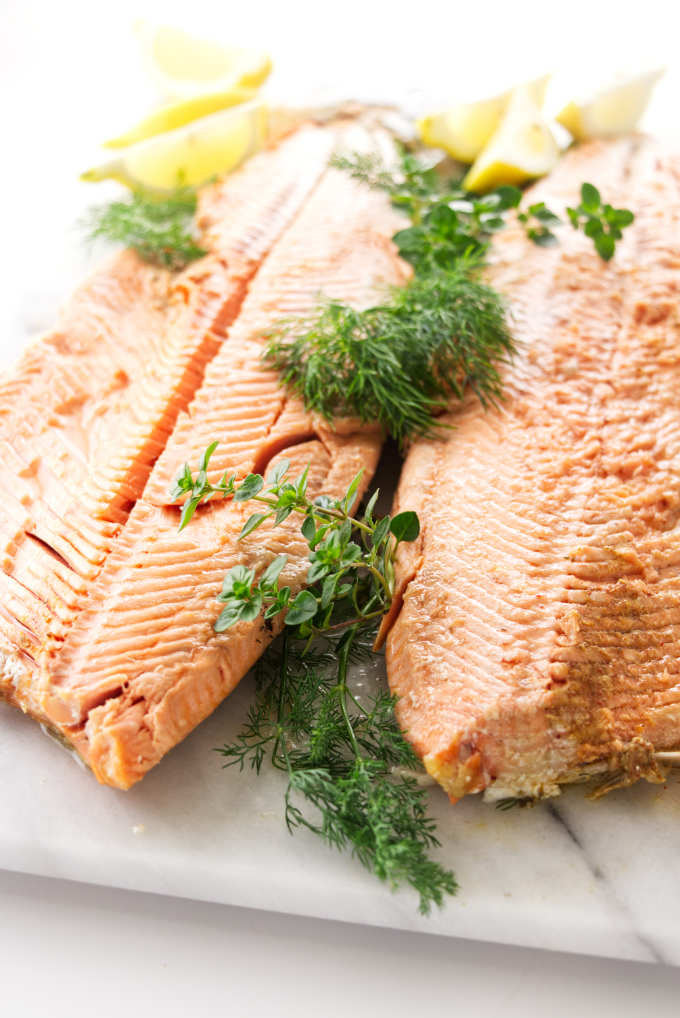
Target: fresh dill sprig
<point>401,361</point>
<point>349,767</point>
<point>160,230</point>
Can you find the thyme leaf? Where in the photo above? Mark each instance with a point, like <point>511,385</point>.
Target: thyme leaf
<point>599,221</point>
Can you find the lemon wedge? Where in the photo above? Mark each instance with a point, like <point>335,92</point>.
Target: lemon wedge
<point>186,66</point>
<point>177,114</point>
<point>611,110</point>
<point>465,129</point>
<point>522,148</point>
<point>189,155</point>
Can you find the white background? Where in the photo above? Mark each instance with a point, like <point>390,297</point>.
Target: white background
<point>69,77</point>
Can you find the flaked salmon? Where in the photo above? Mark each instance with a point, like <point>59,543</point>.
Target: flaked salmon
<point>538,641</point>
<point>119,656</point>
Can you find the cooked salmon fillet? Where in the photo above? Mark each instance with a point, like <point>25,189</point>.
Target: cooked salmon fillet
<point>538,640</point>
<point>91,405</point>
<point>121,660</point>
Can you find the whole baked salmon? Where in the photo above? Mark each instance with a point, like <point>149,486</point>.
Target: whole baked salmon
<point>538,637</point>
<point>119,656</point>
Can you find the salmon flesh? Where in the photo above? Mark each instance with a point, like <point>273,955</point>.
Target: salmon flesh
<point>538,637</point>
<point>106,611</point>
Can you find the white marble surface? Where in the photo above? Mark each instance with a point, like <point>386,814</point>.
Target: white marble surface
<point>570,875</point>
<point>72,950</point>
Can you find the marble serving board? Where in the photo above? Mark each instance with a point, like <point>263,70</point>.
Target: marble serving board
<point>598,878</point>
<point>569,874</point>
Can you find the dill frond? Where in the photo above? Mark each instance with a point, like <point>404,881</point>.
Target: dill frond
<point>161,231</point>
<point>348,767</point>
<point>399,362</point>
<point>403,361</point>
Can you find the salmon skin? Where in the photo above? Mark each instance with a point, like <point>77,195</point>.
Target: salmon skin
<point>106,631</point>
<point>537,641</point>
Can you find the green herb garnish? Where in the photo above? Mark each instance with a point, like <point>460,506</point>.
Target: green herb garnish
<point>160,230</point>
<point>352,777</point>
<point>537,220</point>
<point>601,222</point>
<point>448,223</point>
<point>401,361</point>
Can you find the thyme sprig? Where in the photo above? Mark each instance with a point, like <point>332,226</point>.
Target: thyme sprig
<point>351,560</point>
<point>160,230</point>
<point>350,770</point>
<point>599,221</point>
<point>447,222</point>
